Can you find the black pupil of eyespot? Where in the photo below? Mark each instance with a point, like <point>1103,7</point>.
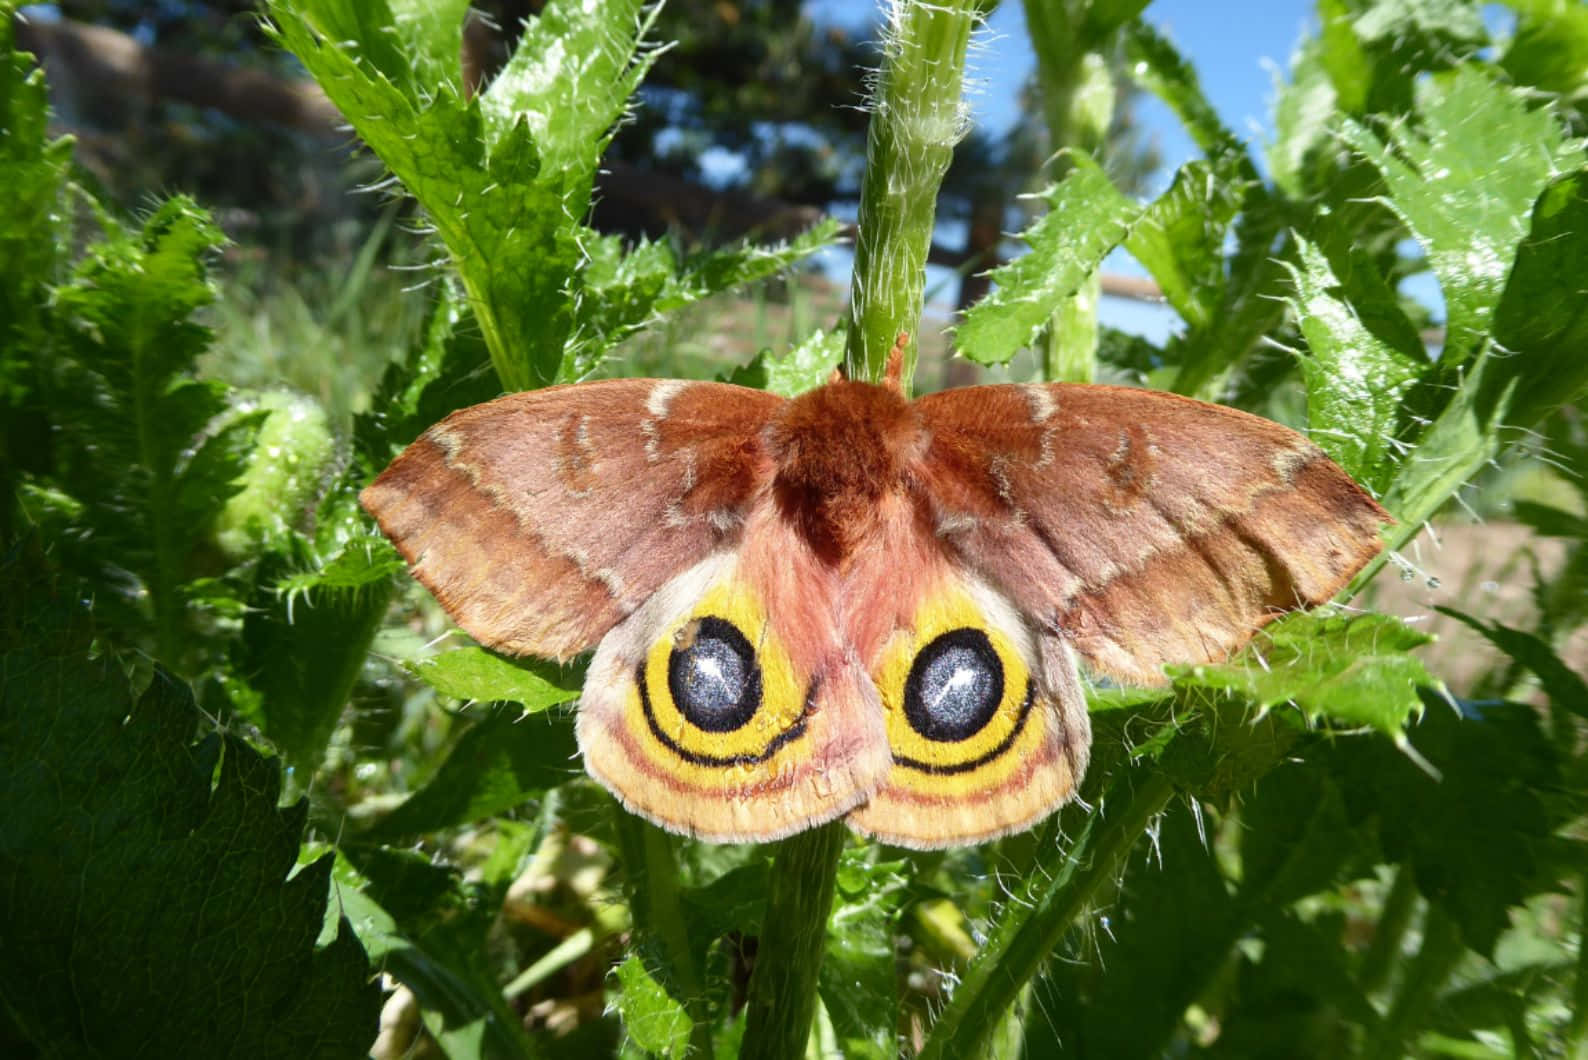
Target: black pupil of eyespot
<point>715,680</point>
<point>954,687</point>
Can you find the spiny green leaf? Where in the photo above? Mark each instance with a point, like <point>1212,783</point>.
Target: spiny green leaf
<point>213,475</point>
<point>1304,114</point>
<point>1463,438</point>
<point>1296,991</point>
<point>733,902</point>
<point>570,80</point>
<point>365,561</point>
<point>805,367</point>
<point>1564,686</point>
<point>281,473</point>
<point>1374,50</point>
<point>1171,927</point>
<point>1549,47</point>
<point>1349,670</point>
<point>1164,72</point>
<point>1295,838</point>
<point>478,173</point>
<point>33,169</point>
<point>1241,307</point>
<point>1087,217</point>
<point>1541,324</point>
<point>1464,179</point>
<point>498,764</point>
<point>1357,375</point>
<point>653,1019</point>
<point>308,629</point>
<point>299,656</point>
<point>449,368</point>
<point>1179,238</point>
<point>127,411</point>
<point>857,979</point>
<point>141,885</point>
<point>474,674</point>
<point>625,291</point>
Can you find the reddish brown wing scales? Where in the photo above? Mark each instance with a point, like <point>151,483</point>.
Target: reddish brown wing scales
<point>1143,527</point>
<point>540,520</point>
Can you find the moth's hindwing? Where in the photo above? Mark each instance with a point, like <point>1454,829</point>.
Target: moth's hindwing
<point>705,716</point>
<point>986,722</point>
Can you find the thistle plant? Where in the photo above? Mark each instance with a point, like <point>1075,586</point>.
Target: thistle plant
<point>1316,840</point>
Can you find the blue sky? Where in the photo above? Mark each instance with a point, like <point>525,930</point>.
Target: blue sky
<point>1236,48</point>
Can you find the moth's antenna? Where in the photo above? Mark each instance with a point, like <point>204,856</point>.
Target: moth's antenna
<point>893,373</point>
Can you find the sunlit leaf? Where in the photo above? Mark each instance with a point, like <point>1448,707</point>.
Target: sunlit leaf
<point>498,764</point>
<point>857,976</point>
<point>653,1019</point>
<point>1464,180</point>
<point>1180,237</point>
<point>474,674</point>
<point>1087,217</point>
<point>1541,324</point>
<point>806,366</point>
<point>1357,376</point>
<point>1349,670</point>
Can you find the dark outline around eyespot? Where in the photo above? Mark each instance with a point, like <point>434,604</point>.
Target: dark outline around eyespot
<point>975,640</point>
<point>724,630</point>
<point>977,763</point>
<point>793,732</point>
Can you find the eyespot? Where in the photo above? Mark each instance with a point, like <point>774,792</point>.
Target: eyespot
<point>717,689</point>
<point>955,686</point>
<point>958,689</point>
<point>713,676</point>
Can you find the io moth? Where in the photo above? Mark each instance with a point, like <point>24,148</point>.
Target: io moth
<point>850,604</point>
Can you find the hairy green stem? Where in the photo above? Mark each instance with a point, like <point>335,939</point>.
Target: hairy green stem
<point>1070,353</point>
<point>782,998</point>
<point>1027,932</point>
<point>658,917</point>
<point>917,118</point>
<point>1078,100</point>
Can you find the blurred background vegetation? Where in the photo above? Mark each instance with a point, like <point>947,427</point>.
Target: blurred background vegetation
<point>751,123</point>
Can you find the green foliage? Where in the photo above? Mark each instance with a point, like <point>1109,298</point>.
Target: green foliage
<point>1314,842</point>
<point>1063,254</point>
<point>498,763</point>
<point>506,175</point>
<point>1355,671</point>
<point>147,878</point>
<point>805,367</point>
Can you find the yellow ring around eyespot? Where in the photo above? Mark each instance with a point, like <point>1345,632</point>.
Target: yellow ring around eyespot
<point>949,610</point>
<point>782,693</point>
